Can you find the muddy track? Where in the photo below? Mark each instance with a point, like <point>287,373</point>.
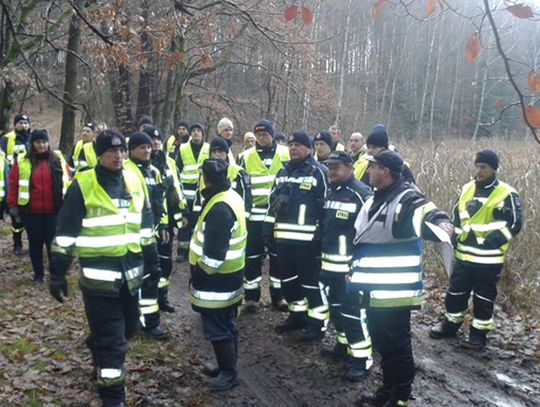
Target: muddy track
<point>275,371</point>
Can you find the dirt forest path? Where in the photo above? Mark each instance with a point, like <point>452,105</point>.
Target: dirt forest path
<point>275,371</point>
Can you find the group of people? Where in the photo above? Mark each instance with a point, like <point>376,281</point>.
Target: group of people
<point>342,228</point>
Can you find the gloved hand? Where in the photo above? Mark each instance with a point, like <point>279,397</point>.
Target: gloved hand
<point>57,286</point>
<point>15,213</point>
<point>494,240</point>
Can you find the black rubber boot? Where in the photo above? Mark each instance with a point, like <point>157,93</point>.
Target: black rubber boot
<point>210,369</point>
<point>338,351</point>
<point>278,302</point>
<point>444,329</point>
<point>477,340</point>
<point>312,333</point>
<point>377,399</point>
<point>17,244</point>
<point>157,333</point>
<point>294,322</point>
<point>356,370</point>
<point>226,357</point>
<point>163,300</point>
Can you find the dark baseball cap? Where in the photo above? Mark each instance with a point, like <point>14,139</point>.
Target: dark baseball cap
<point>339,157</point>
<point>388,159</point>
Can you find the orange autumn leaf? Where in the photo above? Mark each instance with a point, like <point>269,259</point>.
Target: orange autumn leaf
<point>534,81</point>
<point>307,15</point>
<point>206,60</point>
<point>376,10</point>
<point>473,47</point>
<point>533,115</point>
<point>520,11</point>
<point>429,7</point>
<point>290,13</point>
<point>498,103</point>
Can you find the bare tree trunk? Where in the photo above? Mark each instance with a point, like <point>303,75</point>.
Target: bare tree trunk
<point>67,131</point>
<point>343,63</point>
<point>121,98</point>
<point>426,84</point>
<point>146,79</point>
<point>436,79</point>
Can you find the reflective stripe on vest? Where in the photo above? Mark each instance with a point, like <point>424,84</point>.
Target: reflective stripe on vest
<point>480,225</point>
<point>262,178</point>
<point>214,300</point>
<point>235,256</point>
<point>2,180</point>
<point>13,149</point>
<point>105,230</point>
<point>360,166</point>
<point>387,269</point>
<point>90,159</point>
<point>191,167</point>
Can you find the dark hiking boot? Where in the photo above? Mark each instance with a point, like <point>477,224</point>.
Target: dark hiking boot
<point>377,399</point>
<point>18,250</point>
<point>356,370</point>
<point>312,333</point>
<point>338,351</point>
<point>444,329</point>
<point>291,324</point>
<point>157,333</point>
<point>251,307</point>
<point>280,305</point>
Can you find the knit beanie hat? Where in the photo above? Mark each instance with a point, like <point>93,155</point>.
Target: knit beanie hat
<point>137,139</point>
<point>153,133</point>
<point>19,117</point>
<point>378,136</point>
<point>145,120</point>
<point>215,170</point>
<point>196,126</point>
<point>219,144</point>
<point>488,157</point>
<point>183,123</point>
<point>325,137</point>
<point>223,124</point>
<point>279,136</point>
<point>108,139</point>
<point>300,136</point>
<point>39,134</point>
<point>91,126</point>
<point>264,126</point>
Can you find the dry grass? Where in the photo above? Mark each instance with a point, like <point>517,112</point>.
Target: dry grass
<point>441,169</point>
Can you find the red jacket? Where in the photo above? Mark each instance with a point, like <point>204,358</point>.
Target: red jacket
<point>41,188</point>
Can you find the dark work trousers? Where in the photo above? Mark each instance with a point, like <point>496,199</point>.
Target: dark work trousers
<point>165,263</point>
<point>354,325</point>
<point>17,229</point>
<point>390,330</point>
<point>482,281</point>
<point>148,301</point>
<point>300,265</point>
<point>184,233</point>
<point>220,325</point>
<point>112,321</point>
<point>255,254</point>
<point>334,286</point>
<point>40,229</point>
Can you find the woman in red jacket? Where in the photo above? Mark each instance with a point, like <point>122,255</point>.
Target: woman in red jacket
<point>37,182</point>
